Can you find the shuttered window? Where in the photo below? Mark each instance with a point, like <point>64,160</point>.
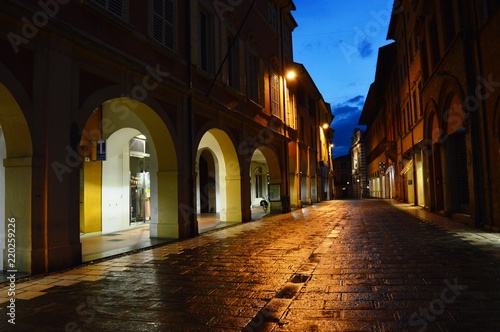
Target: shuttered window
<point>233,64</point>
<point>275,102</point>
<point>115,7</point>
<point>163,22</point>
<point>206,42</point>
<point>253,77</point>
<point>272,16</point>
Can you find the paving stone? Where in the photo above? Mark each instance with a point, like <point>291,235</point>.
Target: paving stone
<point>354,265</point>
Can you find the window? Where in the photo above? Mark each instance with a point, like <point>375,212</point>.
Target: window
<point>272,16</point>
<point>206,42</point>
<point>488,8</point>
<point>115,7</point>
<point>415,41</point>
<point>312,107</point>
<point>291,110</point>
<point>425,62</point>
<point>253,77</point>
<point>164,22</point>
<point>258,186</point>
<point>410,116</point>
<point>410,48</point>
<point>434,41</point>
<point>415,104</point>
<point>233,64</point>
<point>287,38</point>
<point>275,89</point>
<point>420,98</point>
<point>302,127</point>
<point>448,19</point>
<point>405,123</point>
<point>405,66</point>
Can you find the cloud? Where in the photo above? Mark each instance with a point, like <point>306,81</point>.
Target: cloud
<point>365,48</point>
<point>345,112</point>
<point>346,119</point>
<point>358,100</point>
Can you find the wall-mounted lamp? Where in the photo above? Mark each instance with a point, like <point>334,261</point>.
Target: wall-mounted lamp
<point>291,75</point>
<point>381,165</point>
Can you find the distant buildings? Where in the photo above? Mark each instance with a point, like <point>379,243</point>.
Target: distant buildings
<point>121,113</point>
<point>433,114</point>
<point>360,186</point>
<point>343,177</point>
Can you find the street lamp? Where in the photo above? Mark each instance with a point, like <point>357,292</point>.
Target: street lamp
<point>291,75</point>
<point>381,165</point>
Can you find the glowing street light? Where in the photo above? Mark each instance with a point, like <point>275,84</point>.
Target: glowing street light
<point>291,75</point>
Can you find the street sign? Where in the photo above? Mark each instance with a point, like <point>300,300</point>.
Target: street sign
<point>101,150</point>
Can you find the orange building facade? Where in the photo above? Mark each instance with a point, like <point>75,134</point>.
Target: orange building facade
<point>432,113</point>
<point>121,113</point>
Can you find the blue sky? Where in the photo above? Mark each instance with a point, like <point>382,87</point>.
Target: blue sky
<point>338,42</point>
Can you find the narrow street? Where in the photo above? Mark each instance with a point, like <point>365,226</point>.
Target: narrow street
<point>357,265</point>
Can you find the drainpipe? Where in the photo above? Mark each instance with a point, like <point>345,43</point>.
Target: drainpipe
<point>192,220</point>
<point>469,37</point>
<point>486,139</point>
<point>408,59</point>
<point>285,200</point>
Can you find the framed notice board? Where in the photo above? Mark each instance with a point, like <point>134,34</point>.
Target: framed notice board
<point>275,192</point>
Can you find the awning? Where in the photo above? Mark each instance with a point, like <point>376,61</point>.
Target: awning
<point>407,167</point>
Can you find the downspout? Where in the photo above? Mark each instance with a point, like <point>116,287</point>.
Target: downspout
<point>192,220</point>
<point>486,139</point>
<point>285,199</point>
<point>473,120</point>
<point>408,59</point>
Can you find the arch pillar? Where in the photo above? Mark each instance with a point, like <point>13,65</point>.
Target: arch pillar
<point>231,212</point>
<point>18,182</point>
<point>167,225</point>
<point>246,197</point>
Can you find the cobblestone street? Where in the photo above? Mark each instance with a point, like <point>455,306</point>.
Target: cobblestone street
<point>358,265</point>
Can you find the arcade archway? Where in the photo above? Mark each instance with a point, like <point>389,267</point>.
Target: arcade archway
<point>218,180</point>
<point>265,179</point>
<point>136,185</point>
<point>15,181</point>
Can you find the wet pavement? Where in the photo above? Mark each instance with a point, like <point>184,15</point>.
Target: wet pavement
<point>360,265</point>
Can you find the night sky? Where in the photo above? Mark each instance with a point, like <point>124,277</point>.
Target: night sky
<point>338,42</point>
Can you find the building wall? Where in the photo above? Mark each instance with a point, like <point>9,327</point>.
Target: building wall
<point>57,74</point>
<point>446,114</point>
<point>343,177</point>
